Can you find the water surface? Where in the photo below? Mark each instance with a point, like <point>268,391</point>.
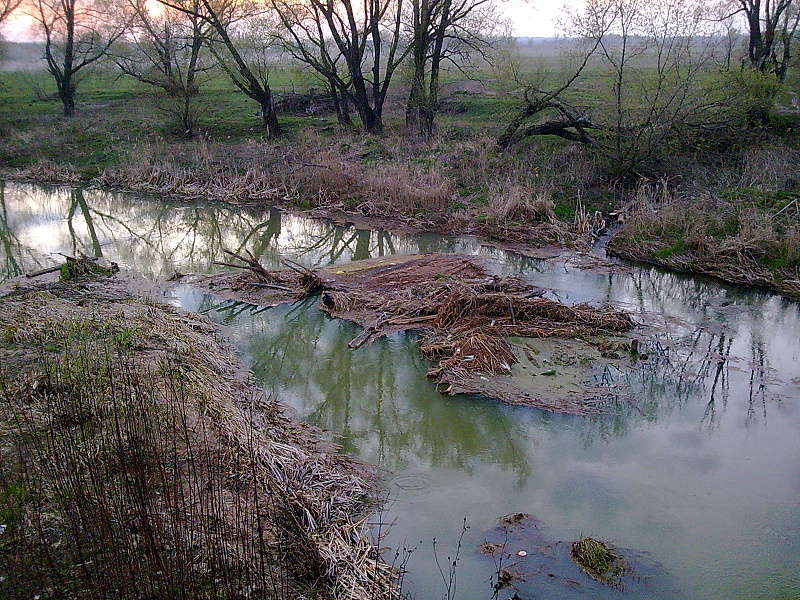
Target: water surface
<point>699,476</point>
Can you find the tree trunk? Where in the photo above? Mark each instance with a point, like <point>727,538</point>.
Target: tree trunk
<point>270,118</point>
<point>373,122</point>
<point>370,118</point>
<point>67,95</point>
<point>340,104</point>
<point>416,96</point>
<point>343,111</point>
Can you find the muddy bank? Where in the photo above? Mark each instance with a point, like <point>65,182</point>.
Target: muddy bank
<point>134,443</point>
<point>341,197</point>
<point>498,337</point>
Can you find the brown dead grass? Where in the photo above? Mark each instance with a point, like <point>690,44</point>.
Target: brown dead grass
<point>179,474</point>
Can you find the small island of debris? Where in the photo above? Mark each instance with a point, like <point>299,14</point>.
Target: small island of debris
<point>495,336</point>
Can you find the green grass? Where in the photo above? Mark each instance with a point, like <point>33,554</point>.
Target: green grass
<point>598,560</point>
<point>115,113</point>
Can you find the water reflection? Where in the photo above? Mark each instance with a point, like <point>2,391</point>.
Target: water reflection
<point>157,237</point>
<point>700,469</point>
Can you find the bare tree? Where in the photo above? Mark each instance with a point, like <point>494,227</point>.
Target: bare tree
<point>443,31</point>
<point>303,37</point>
<point>164,49</point>
<point>240,46</point>
<point>656,56</point>
<point>366,35</point>
<point>788,40</point>
<point>7,7</point>
<point>771,25</point>
<point>77,33</point>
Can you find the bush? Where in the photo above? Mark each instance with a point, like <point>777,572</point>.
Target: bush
<point>747,95</point>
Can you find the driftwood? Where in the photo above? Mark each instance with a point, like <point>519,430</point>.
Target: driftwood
<point>250,264</point>
<point>43,271</point>
<point>77,262</point>
<point>308,281</point>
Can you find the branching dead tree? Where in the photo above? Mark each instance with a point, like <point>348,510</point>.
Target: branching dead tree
<point>570,123</point>
<point>77,34</point>
<point>245,59</point>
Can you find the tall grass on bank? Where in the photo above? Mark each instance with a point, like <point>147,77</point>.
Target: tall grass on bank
<point>742,226</point>
<point>113,492</point>
<point>136,465</point>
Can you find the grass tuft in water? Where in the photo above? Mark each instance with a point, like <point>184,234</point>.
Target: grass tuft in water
<point>599,561</point>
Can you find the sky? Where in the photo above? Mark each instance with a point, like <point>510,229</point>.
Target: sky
<point>531,18</point>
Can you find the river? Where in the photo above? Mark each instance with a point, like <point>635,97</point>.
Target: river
<point>697,478</point>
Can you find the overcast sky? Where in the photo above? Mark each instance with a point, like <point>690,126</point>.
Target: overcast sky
<point>528,18</point>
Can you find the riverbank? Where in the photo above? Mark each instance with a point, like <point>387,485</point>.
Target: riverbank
<point>137,454</point>
<point>749,237</point>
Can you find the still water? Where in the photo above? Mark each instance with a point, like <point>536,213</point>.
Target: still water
<point>698,478</point>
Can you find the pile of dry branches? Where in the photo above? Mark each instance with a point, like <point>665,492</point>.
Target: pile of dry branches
<point>466,313</point>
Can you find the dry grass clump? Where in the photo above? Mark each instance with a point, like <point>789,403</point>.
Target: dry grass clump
<point>467,354</point>
<point>206,172</point>
<point>47,171</point>
<point>739,222</point>
<point>748,237</point>
<point>141,463</point>
<point>520,204</point>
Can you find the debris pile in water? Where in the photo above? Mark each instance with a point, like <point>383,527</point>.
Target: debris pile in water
<point>466,315</point>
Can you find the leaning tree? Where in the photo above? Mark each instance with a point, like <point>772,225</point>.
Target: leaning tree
<point>656,58</point>
<point>241,43</point>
